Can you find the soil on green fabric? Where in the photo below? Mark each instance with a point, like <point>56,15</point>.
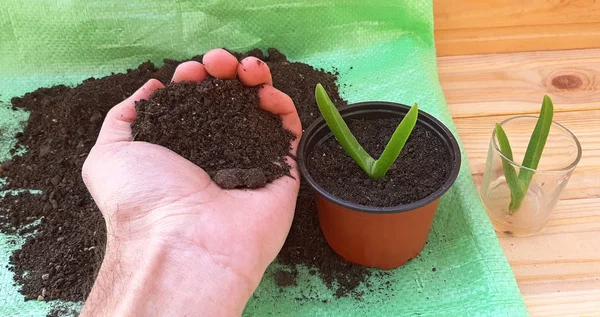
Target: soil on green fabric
<point>61,311</point>
<point>285,278</point>
<point>219,126</point>
<point>62,256</point>
<point>421,169</point>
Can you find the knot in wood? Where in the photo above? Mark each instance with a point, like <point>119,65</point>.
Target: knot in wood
<point>567,82</point>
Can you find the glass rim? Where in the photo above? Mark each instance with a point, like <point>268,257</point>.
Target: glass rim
<point>572,165</point>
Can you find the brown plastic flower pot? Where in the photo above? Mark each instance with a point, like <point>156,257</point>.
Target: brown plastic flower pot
<point>380,237</point>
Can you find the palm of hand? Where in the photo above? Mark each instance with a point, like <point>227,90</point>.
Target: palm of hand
<point>145,190</point>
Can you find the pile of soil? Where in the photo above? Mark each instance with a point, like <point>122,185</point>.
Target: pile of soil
<point>219,126</point>
<point>421,169</point>
<point>306,244</point>
<point>61,259</point>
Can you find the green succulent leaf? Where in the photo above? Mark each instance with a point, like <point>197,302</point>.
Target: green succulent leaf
<point>537,142</point>
<point>510,174</point>
<point>535,148</point>
<point>339,128</point>
<point>342,133</point>
<point>394,147</point>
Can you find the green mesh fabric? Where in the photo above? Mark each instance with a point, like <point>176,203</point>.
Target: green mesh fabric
<point>388,44</point>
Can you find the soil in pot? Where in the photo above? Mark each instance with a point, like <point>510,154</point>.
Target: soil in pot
<point>421,169</point>
<point>219,126</point>
<point>62,257</point>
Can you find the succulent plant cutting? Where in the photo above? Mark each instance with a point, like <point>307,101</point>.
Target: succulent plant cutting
<point>519,183</point>
<point>374,168</point>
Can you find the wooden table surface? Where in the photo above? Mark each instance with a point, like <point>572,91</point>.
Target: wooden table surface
<point>558,270</point>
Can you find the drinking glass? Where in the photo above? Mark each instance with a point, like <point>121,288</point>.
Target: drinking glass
<point>559,158</point>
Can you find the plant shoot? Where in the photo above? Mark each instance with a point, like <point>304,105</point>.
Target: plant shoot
<point>374,168</point>
<point>519,184</point>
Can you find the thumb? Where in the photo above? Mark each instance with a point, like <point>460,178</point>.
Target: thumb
<point>117,124</point>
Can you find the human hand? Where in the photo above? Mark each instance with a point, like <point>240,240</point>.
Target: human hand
<point>172,232</point>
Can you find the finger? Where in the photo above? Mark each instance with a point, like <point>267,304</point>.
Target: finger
<point>117,124</point>
<point>275,101</point>
<point>189,71</point>
<point>220,63</point>
<point>252,72</point>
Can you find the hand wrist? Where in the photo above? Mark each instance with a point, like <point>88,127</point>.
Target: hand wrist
<point>146,277</point>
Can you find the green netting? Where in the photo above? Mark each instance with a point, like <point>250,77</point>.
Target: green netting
<point>388,44</point>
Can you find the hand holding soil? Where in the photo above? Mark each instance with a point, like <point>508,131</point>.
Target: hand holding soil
<point>171,229</point>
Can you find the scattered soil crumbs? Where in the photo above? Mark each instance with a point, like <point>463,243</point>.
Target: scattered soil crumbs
<point>219,126</point>
<point>306,244</point>
<point>62,257</point>
<point>285,278</point>
<point>59,311</point>
<point>421,168</point>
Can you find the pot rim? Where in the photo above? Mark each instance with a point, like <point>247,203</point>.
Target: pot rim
<point>361,106</point>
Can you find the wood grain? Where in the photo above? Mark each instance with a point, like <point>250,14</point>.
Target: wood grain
<point>564,304</point>
<point>500,26</point>
<point>558,270</point>
<point>517,39</point>
<point>516,83</point>
<point>464,14</point>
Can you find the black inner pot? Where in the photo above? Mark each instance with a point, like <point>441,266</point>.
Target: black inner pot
<point>318,132</point>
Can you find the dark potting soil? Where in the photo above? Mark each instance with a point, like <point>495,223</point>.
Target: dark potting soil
<point>62,257</point>
<point>285,278</point>
<point>19,213</point>
<point>219,126</point>
<point>421,168</point>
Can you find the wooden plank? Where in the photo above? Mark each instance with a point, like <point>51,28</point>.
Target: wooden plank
<point>469,14</point>
<point>517,39</point>
<point>515,83</point>
<point>499,26</point>
<point>575,216</point>
<point>564,304</point>
<point>566,250</point>
<point>475,134</point>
